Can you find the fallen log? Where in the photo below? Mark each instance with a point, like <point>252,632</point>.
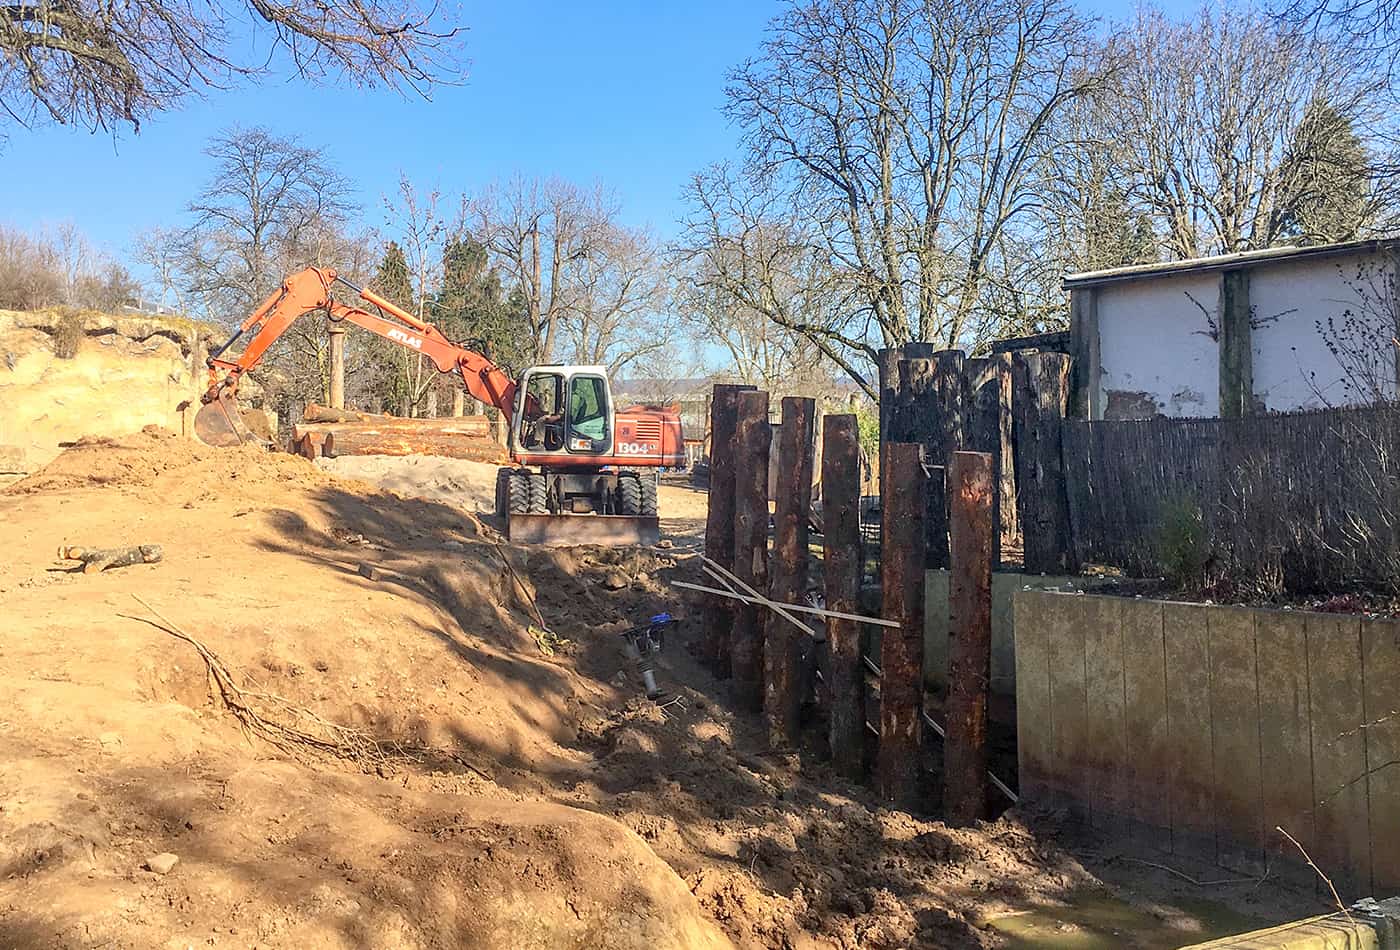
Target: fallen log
<point>96,560</point>
<point>366,440</point>
<point>477,427</point>
<point>319,415</point>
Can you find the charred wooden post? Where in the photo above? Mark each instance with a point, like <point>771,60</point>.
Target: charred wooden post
<point>893,416</point>
<point>902,649</point>
<point>841,569</point>
<point>972,492</point>
<point>719,521</point>
<point>983,429</point>
<point>337,360</point>
<point>783,648</point>
<point>1008,522</point>
<point>752,440</point>
<point>1040,398</point>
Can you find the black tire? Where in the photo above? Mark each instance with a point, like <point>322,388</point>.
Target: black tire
<point>648,486</point>
<point>629,494</point>
<point>539,494</point>
<point>519,492</point>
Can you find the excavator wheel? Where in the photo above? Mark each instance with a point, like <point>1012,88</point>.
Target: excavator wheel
<point>648,486</point>
<point>629,494</point>
<point>539,495</point>
<point>519,492</point>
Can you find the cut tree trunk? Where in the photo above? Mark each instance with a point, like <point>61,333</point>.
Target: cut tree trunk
<point>96,560</point>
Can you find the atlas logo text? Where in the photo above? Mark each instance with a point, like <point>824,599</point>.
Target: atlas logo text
<point>414,341</point>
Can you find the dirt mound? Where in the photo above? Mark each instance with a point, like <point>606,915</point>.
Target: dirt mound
<point>143,459</point>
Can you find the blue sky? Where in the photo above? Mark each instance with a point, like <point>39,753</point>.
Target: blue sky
<point>626,92</point>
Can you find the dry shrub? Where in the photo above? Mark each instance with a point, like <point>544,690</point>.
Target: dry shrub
<point>68,335</point>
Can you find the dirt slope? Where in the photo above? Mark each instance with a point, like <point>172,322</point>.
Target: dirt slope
<point>497,788</point>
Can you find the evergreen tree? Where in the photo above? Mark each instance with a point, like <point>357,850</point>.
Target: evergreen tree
<point>392,280</point>
<point>392,363</point>
<point>1324,180</point>
<point>471,308</point>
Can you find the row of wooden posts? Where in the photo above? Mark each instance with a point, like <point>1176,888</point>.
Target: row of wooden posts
<point>772,660</point>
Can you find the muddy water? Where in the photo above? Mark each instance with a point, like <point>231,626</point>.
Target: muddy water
<point>1098,921</point>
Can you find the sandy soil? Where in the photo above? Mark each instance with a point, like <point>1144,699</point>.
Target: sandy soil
<point>403,761</point>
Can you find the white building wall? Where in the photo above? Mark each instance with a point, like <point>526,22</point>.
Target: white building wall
<point>1291,305</point>
<point>1157,347</point>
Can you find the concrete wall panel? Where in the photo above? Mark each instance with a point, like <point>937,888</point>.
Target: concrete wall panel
<point>1285,741</point>
<point>1234,706</point>
<point>1339,751</point>
<point>1107,726</point>
<point>1188,717</point>
<point>1380,653</point>
<point>1149,776</point>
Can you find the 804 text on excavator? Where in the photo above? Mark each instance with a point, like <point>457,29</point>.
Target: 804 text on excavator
<point>583,470</point>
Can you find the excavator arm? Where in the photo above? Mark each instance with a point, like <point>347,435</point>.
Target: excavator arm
<point>219,421</point>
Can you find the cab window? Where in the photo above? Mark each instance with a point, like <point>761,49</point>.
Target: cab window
<point>542,423</point>
<point>588,411</point>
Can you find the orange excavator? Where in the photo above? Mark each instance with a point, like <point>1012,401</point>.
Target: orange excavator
<point>584,470</point>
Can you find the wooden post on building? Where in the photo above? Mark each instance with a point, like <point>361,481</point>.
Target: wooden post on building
<point>752,441</point>
<point>841,570</point>
<point>1040,398</point>
<point>782,697</point>
<point>336,395</point>
<point>902,649</point>
<point>719,521</point>
<point>972,533</point>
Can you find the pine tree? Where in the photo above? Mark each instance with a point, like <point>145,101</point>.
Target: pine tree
<point>1324,180</point>
<point>392,363</point>
<point>392,281</point>
<point>471,308</point>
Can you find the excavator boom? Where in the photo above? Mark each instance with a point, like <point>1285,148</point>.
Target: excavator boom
<point>219,421</point>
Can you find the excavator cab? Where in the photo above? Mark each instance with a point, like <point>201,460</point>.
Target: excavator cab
<point>564,412</point>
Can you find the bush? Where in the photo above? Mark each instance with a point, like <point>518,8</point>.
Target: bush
<point>1183,546</point>
<point>68,334</point>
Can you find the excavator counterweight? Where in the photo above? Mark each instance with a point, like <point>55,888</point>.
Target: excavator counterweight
<point>585,472</point>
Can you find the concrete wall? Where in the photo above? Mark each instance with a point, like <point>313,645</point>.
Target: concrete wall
<point>1293,368</point>
<point>1155,347</point>
<point>1198,730</point>
<point>1158,336</point>
<point>1004,585</point>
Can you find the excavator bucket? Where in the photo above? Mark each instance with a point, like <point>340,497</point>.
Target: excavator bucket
<point>565,530</point>
<point>222,423</point>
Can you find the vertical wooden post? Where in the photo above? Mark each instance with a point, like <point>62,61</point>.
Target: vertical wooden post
<point>459,402</point>
<point>782,698</point>
<point>752,441</point>
<point>972,530</point>
<point>982,431</point>
<point>1039,399</point>
<point>1084,343</point>
<point>1236,347</point>
<point>719,521</point>
<point>1009,525</point>
<point>901,649</point>
<point>336,396</point>
<point>841,569</point>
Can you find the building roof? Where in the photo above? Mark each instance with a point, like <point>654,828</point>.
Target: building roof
<point>1241,259</point>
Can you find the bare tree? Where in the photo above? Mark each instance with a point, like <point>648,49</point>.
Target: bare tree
<point>615,313</point>
<point>761,288</point>
<point>1205,120</point>
<point>159,250</point>
<point>100,64</point>
<point>535,232</point>
<point>414,217</point>
<point>268,209</point>
<point>904,133</point>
